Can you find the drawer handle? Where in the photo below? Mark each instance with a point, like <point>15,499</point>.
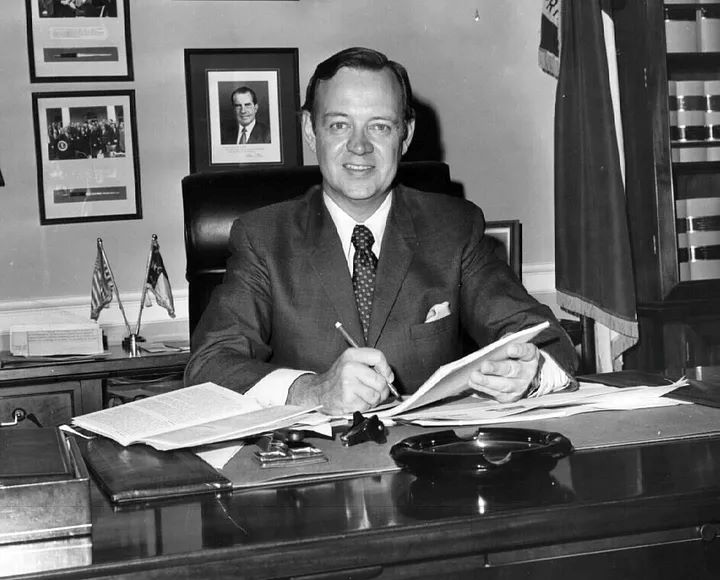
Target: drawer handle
<point>20,415</point>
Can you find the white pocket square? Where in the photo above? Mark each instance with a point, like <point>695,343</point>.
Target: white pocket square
<point>438,311</point>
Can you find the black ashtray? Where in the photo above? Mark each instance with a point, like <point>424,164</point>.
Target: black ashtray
<point>489,453</point>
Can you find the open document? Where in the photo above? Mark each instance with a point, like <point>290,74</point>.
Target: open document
<point>196,415</point>
<point>452,379</point>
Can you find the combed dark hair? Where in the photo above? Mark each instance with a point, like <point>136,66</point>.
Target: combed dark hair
<point>244,90</point>
<point>365,59</point>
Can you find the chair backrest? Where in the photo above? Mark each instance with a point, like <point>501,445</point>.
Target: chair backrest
<point>212,202</point>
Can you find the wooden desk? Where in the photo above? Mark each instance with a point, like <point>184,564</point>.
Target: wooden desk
<point>648,511</point>
<point>55,392</point>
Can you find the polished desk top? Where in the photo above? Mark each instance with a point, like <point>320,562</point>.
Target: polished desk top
<point>396,517</point>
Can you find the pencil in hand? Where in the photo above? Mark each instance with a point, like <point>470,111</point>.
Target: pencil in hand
<point>349,339</point>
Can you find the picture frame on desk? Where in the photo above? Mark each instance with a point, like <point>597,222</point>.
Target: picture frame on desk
<point>508,237</point>
<point>220,82</point>
<point>87,156</point>
<point>76,41</point>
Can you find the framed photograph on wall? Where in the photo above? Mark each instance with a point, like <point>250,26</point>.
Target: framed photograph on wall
<point>79,40</point>
<point>87,156</point>
<point>508,242</point>
<point>243,107</point>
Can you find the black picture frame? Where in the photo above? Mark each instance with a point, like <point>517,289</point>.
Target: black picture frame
<point>508,237</point>
<point>211,75</point>
<point>90,43</point>
<point>87,156</point>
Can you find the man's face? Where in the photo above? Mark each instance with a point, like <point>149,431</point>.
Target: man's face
<point>245,109</point>
<point>358,137</point>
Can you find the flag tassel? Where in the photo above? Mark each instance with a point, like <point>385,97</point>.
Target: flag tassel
<point>117,291</point>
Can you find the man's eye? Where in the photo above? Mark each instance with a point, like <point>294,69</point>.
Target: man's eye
<point>381,128</point>
<point>338,126</point>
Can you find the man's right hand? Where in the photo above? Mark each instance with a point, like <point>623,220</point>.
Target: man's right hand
<point>356,381</point>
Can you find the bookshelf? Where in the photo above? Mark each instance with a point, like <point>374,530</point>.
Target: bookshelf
<point>669,71</point>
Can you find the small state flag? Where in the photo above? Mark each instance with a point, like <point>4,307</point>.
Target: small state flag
<point>157,279</point>
<point>102,285</point>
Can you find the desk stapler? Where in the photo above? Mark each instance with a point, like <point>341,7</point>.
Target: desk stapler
<point>364,429</point>
<point>287,447</point>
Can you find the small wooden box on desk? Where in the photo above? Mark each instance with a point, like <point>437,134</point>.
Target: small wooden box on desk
<point>55,391</point>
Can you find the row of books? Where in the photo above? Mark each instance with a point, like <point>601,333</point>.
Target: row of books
<point>694,95</point>
<point>692,28</point>
<point>694,115</point>
<point>698,234</point>
<point>679,154</point>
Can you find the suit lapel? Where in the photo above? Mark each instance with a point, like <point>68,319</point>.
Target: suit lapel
<point>396,254</point>
<point>329,265</point>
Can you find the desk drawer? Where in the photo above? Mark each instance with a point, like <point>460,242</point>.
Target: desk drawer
<point>53,404</point>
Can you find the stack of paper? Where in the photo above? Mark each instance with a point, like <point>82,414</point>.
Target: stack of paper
<point>193,416</point>
<point>480,410</point>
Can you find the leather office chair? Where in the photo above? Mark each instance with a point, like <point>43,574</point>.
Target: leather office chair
<point>212,201</point>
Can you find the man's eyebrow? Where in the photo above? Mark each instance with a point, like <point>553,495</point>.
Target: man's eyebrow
<point>334,114</point>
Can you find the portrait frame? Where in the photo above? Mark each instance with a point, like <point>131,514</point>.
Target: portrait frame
<point>89,43</point>
<point>211,76</point>
<point>508,234</point>
<point>87,156</point>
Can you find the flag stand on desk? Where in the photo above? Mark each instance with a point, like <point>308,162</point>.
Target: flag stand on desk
<point>103,286</point>
<point>157,282</point>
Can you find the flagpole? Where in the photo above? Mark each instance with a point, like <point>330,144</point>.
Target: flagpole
<point>144,288</point>
<point>117,290</point>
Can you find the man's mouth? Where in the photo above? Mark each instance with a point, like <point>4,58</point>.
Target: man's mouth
<point>357,167</point>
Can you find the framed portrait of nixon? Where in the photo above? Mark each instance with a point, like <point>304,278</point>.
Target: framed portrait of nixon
<point>87,156</point>
<point>243,108</point>
<point>79,40</point>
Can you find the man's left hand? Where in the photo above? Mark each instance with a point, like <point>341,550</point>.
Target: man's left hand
<point>507,375</point>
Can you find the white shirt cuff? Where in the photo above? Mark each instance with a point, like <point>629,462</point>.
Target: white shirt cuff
<point>273,388</point>
<point>552,377</point>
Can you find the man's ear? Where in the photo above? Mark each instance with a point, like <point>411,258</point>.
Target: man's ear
<point>408,136</point>
<point>308,130</point>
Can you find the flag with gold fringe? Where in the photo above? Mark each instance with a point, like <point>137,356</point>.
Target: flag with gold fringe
<point>157,280</point>
<point>594,274</point>
<point>101,293</point>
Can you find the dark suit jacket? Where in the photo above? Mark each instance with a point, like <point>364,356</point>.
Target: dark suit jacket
<point>260,134</point>
<point>288,282</point>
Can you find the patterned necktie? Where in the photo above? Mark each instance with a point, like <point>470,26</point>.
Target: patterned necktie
<point>243,136</point>
<point>363,279</point>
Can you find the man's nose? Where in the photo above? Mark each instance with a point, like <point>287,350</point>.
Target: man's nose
<point>359,143</point>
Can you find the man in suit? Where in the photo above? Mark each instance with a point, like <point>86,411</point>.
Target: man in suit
<point>406,292</point>
<point>248,129</point>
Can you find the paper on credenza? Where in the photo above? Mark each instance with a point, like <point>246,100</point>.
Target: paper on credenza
<point>189,417</point>
<point>56,339</point>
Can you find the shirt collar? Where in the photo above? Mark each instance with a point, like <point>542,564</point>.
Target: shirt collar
<point>248,130</point>
<point>344,224</point>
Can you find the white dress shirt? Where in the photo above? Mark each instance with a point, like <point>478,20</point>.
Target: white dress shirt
<point>248,130</point>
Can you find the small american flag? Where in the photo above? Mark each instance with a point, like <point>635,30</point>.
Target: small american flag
<point>102,285</point>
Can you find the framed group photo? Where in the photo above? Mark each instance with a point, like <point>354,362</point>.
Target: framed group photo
<point>79,40</point>
<point>87,156</point>
<point>243,107</point>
